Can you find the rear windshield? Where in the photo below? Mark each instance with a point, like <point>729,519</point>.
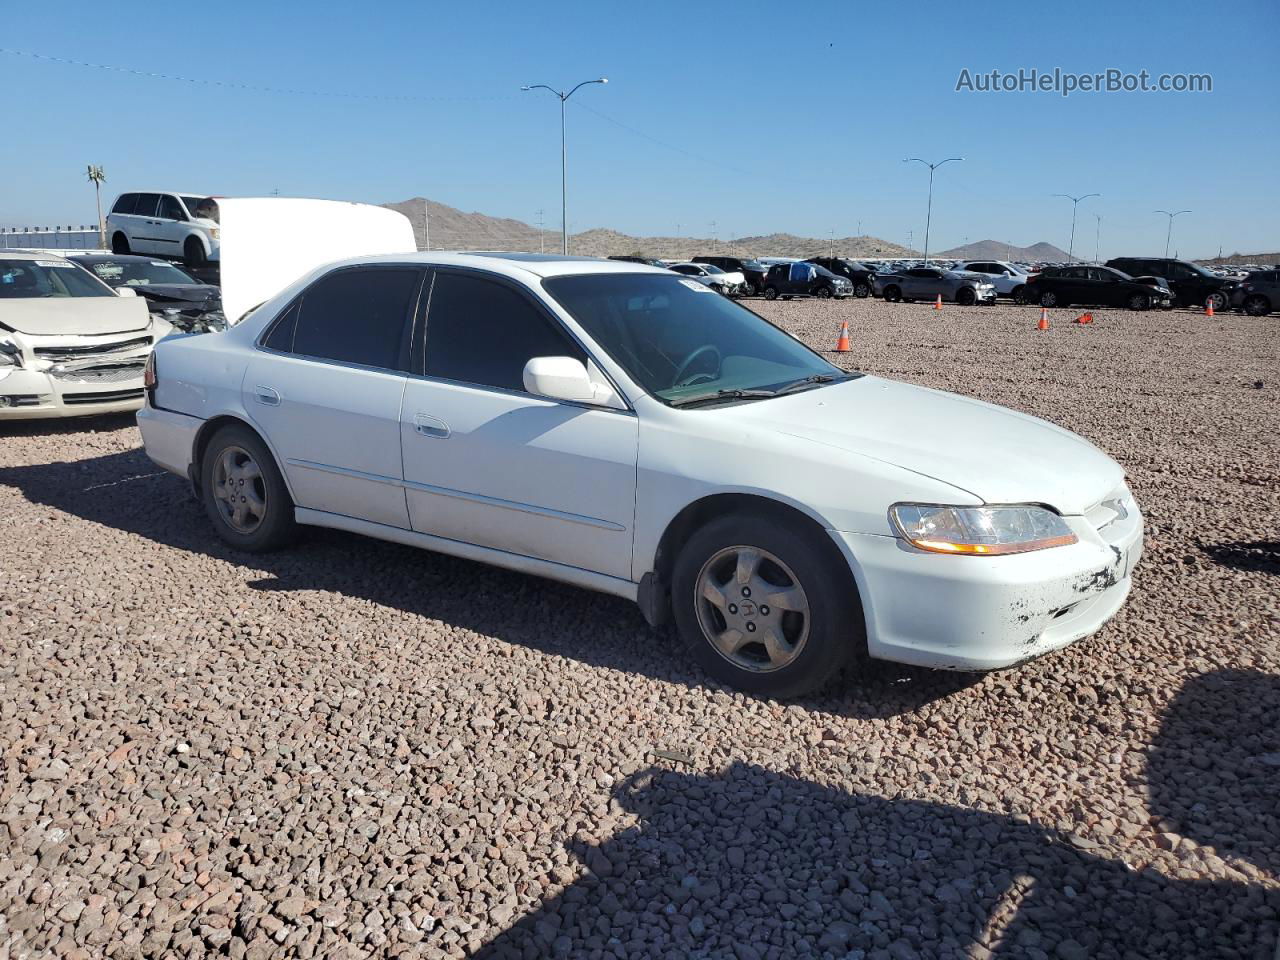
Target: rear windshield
<point>32,279</point>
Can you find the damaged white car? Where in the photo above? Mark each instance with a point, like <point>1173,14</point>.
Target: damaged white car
<point>69,344</point>
<point>616,426</point>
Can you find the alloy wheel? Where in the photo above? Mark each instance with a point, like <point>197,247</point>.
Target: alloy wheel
<point>239,490</point>
<point>752,609</point>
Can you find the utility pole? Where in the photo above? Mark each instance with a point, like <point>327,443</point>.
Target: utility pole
<point>1075,202</point>
<point>1097,240</point>
<point>564,190</point>
<point>98,178</point>
<point>542,239</point>
<point>1168,235</point>
<point>426,225</point>
<point>929,210</point>
<point>715,238</point>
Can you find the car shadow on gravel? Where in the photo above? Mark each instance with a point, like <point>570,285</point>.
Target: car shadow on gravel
<point>126,491</point>
<point>1261,556</point>
<point>105,423</point>
<point>750,863</point>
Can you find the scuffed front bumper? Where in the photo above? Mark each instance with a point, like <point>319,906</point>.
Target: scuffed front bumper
<point>985,613</point>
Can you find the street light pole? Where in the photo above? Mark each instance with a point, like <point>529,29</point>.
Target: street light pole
<point>564,191</point>
<point>1097,239</point>
<point>928,219</point>
<point>1075,201</point>
<point>1169,234</point>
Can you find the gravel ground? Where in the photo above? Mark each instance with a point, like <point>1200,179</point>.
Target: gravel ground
<point>355,749</point>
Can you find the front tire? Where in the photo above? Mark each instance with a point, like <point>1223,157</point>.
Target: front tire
<point>765,607</point>
<point>243,492</point>
<point>1139,301</point>
<point>1050,299</point>
<point>862,291</point>
<point>824,293</point>
<point>966,297</point>
<point>771,293</point>
<point>193,254</point>
<point>1219,301</point>
<point>1256,306</point>
<point>893,293</point>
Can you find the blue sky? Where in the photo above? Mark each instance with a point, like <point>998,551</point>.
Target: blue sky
<point>771,117</point>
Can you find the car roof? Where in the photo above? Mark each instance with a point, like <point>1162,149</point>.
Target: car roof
<point>31,255</point>
<point>520,265</point>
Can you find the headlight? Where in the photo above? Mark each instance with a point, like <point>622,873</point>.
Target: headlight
<point>980,531</point>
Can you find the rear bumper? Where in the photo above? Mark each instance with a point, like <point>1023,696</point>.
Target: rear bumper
<point>986,613</point>
<point>169,438</point>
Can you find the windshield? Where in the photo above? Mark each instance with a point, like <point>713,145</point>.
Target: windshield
<point>711,268</point>
<point>203,208</point>
<point>139,273</point>
<point>29,279</point>
<point>753,264</point>
<point>1119,273</point>
<point>679,340</point>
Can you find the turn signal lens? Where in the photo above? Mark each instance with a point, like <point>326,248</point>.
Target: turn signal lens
<point>980,531</point>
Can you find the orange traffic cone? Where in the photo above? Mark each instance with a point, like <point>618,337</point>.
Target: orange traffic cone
<point>1044,320</point>
<point>842,344</point>
<point>937,304</point>
<point>1208,308</point>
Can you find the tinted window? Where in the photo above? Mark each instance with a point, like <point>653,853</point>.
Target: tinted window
<point>481,331</point>
<point>126,203</point>
<point>147,203</point>
<point>281,335</point>
<point>357,316</point>
<point>32,279</point>
<point>170,209</point>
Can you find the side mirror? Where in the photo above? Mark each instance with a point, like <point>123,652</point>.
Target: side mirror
<point>559,378</point>
<point>126,292</point>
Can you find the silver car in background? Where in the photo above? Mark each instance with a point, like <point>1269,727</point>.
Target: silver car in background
<point>929,283</point>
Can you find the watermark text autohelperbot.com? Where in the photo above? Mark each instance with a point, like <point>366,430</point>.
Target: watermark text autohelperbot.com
<point>1065,83</point>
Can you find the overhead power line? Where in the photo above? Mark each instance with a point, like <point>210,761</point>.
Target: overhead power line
<point>234,85</point>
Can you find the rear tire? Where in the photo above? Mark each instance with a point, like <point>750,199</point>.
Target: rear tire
<point>119,243</point>
<point>1020,294</point>
<point>893,293</point>
<point>794,646</point>
<point>1050,299</point>
<point>243,492</point>
<point>862,291</point>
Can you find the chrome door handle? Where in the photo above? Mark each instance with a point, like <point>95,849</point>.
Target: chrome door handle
<point>267,395</point>
<point>430,427</point>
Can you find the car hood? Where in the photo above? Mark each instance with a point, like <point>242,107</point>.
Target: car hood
<point>178,292</point>
<point>269,242</point>
<point>75,316</point>
<point>996,454</point>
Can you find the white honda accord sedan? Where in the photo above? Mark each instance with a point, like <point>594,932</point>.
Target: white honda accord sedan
<point>621,428</point>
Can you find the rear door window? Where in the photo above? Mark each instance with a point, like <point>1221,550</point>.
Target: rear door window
<point>359,316</point>
<point>126,203</point>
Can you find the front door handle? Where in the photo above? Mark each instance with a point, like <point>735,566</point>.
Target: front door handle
<point>430,427</point>
<point>267,395</point>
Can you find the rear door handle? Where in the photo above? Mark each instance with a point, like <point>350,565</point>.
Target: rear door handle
<point>267,395</point>
<point>430,426</point>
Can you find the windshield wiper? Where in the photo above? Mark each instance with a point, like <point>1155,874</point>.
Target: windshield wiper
<point>795,385</point>
<point>721,395</point>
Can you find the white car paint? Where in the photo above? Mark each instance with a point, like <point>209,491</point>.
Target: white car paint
<point>1005,277</point>
<point>710,275</point>
<point>583,492</point>
<point>270,241</point>
<point>153,232</point>
<point>72,356</point>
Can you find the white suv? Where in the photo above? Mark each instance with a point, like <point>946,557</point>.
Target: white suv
<point>176,225</point>
<point>1008,280</point>
<point>620,427</point>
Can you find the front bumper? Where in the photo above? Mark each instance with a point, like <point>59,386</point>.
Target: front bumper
<point>985,613</point>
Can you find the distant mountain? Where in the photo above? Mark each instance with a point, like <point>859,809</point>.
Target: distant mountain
<point>998,250</point>
<point>452,229</point>
<point>1260,259</point>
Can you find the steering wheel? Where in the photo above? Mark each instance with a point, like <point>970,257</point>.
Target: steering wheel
<point>680,380</point>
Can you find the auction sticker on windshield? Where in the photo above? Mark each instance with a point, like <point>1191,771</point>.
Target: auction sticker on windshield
<point>695,285</point>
